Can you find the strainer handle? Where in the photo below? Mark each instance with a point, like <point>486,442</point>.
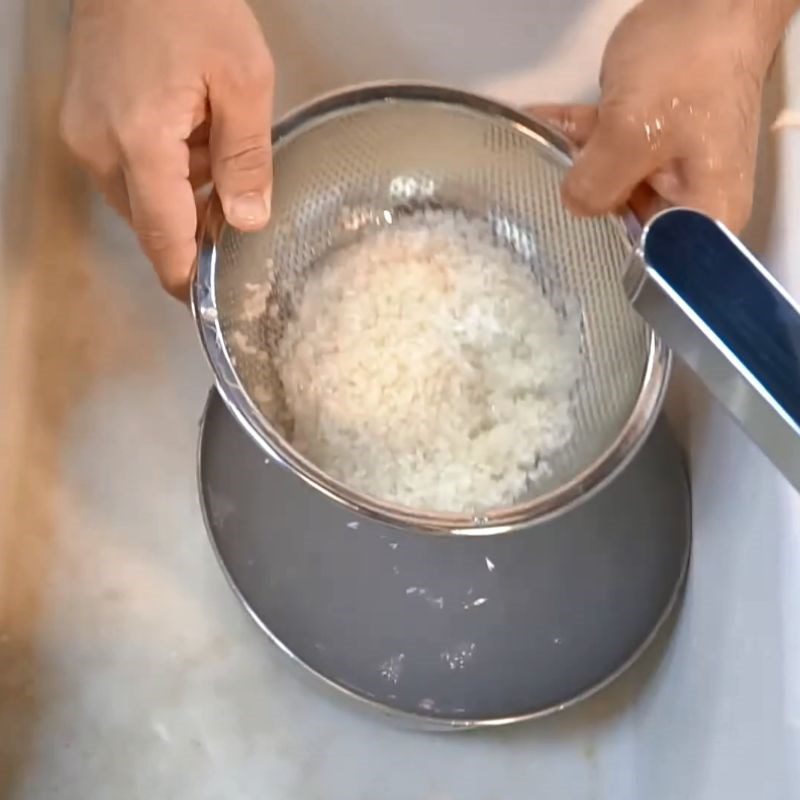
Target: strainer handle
<point>720,310</point>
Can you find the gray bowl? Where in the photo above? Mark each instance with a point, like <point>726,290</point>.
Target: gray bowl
<point>450,631</point>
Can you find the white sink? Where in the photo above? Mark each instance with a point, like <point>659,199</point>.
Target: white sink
<point>127,668</point>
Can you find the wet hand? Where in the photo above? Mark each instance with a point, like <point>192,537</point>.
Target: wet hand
<point>678,119</point>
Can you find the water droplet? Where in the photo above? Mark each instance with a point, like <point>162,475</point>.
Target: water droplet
<point>459,656</point>
<point>392,668</point>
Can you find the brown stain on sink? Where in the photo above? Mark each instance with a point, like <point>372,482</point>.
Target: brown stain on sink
<point>60,331</point>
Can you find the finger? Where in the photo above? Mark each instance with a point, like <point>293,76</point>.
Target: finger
<point>720,199</point>
<point>716,186</point>
<point>162,208</point>
<point>576,122</point>
<point>114,189</point>
<point>87,141</point>
<point>240,143</point>
<point>645,202</point>
<point>115,193</point>
<point>617,157</point>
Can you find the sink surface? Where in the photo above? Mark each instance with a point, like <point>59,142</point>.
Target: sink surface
<point>125,661</point>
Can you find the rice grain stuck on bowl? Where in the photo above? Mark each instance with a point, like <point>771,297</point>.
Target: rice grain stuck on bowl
<point>425,366</point>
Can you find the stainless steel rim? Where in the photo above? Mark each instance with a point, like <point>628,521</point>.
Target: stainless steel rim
<point>424,722</point>
<point>204,308</point>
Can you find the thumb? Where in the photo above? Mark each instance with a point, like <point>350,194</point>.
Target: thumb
<point>240,146</point>
<point>575,122</point>
<point>617,157</point>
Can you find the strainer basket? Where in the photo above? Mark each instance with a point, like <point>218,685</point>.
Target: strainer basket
<point>366,157</point>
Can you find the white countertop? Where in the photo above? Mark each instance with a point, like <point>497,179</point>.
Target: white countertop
<point>127,668</point>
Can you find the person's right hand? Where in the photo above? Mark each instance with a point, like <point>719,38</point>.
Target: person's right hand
<point>161,97</point>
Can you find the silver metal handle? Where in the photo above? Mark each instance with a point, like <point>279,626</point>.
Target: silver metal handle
<point>720,310</point>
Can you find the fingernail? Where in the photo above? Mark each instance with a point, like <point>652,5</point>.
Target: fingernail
<point>249,210</point>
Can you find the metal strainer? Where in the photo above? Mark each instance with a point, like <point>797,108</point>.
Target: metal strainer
<point>364,158</point>
<point>459,631</point>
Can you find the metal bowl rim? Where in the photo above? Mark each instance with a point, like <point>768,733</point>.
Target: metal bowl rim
<point>422,721</point>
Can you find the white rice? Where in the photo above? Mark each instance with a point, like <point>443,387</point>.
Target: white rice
<point>425,366</point>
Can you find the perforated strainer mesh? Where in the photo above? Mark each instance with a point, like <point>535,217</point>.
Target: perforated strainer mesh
<point>340,172</point>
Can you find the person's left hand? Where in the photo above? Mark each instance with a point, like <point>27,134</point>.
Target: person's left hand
<point>162,96</point>
<point>679,114</point>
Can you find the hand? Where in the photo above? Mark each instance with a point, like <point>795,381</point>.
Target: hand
<point>679,114</point>
<point>161,97</point>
